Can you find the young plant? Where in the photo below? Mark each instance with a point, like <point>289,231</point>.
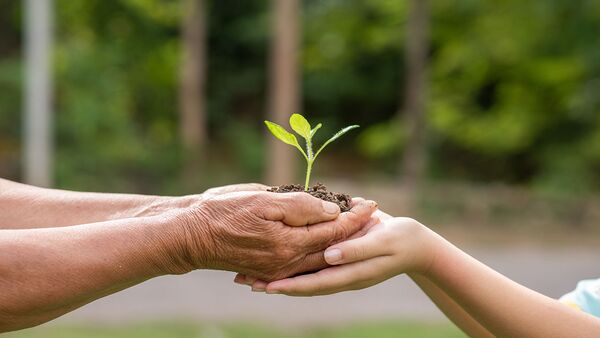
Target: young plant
<point>301,126</point>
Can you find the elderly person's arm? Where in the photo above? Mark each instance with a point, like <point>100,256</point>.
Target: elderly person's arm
<point>47,272</point>
<point>26,207</point>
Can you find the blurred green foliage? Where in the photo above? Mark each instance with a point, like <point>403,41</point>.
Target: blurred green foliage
<point>513,96</point>
<point>237,330</point>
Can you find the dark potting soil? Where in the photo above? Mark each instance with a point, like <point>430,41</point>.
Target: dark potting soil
<point>318,191</point>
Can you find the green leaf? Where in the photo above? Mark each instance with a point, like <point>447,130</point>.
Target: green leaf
<point>335,137</point>
<point>314,131</point>
<point>285,136</point>
<point>300,125</point>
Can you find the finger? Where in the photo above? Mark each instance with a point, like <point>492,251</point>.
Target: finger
<point>358,249</point>
<point>383,215</point>
<point>259,286</point>
<point>299,209</point>
<point>356,200</point>
<point>240,279</point>
<point>351,276</point>
<point>249,280</point>
<point>372,222</point>
<point>311,263</point>
<point>322,235</point>
<point>244,279</point>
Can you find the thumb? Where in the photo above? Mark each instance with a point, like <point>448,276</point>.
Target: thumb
<point>353,250</point>
<point>299,209</point>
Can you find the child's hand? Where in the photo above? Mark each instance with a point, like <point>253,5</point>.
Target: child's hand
<point>391,247</point>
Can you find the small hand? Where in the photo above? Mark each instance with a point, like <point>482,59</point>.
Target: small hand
<point>268,235</point>
<point>391,247</point>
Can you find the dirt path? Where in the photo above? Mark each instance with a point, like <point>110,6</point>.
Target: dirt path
<point>206,296</point>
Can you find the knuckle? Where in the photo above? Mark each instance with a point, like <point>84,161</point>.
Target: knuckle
<point>341,233</point>
<point>406,225</point>
<point>362,275</point>
<point>357,252</point>
<point>211,191</point>
<point>262,199</point>
<point>257,186</point>
<point>285,200</point>
<point>352,217</point>
<point>409,221</point>
<point>385,238</point>
<point>302,200</point>
<point>278,210</point>
<point>318,286</point>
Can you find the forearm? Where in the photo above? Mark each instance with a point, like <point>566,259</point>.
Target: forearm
<point>26,207</point>
<point>45,273</point>
<point>503,307</point>
<point>452,310</point>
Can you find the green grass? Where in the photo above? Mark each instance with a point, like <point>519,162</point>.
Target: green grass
<point>185,330</point>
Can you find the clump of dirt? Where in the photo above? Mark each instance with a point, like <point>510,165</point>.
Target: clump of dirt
<point>319,191</point>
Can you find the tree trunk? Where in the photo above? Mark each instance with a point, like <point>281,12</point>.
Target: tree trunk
<point>284,87</point>
<point>417,44</point>
<point>192,99</point>
<point>38,139</point>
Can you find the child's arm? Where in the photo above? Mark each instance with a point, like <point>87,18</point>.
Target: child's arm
<point>452,310</point>
<point>401,245</point>
<point>448,306</point>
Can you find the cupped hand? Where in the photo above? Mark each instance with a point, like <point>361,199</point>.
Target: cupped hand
<point>267,235</point>
<point>195,199</point>
<point>164,204</point>
<point>234,188</point>
<point>389,247</point>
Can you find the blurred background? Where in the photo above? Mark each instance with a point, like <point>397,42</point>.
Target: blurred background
<point>479,118</point>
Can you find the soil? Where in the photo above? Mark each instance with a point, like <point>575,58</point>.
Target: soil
<point>319,191</point>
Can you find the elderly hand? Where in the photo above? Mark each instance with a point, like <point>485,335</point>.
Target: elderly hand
<point>387,247</point>
<point>157,205</point>
<point>267,235</point>
<point>212,192</point>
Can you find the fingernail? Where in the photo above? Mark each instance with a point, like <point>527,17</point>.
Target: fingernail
<point>333,256</point>
<point>258,289</point>
<point>272,292</point>
<point>330,208</point>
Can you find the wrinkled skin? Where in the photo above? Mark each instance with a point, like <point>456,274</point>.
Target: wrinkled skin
<point>270,236</point>
<point>166,204</point>
<point>212,192</point>
<point>369,257</point>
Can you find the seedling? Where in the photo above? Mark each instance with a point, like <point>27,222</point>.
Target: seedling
<point>301,126</point>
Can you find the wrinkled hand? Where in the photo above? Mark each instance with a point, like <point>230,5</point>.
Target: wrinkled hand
<point>194,200</point>
<point>159,205</point>
<point>267,235</point>
<point>212,192</point>
<point>391,246</point>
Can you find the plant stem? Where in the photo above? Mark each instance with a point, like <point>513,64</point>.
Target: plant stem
<point>309,163</point>
<point>308,170</point>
